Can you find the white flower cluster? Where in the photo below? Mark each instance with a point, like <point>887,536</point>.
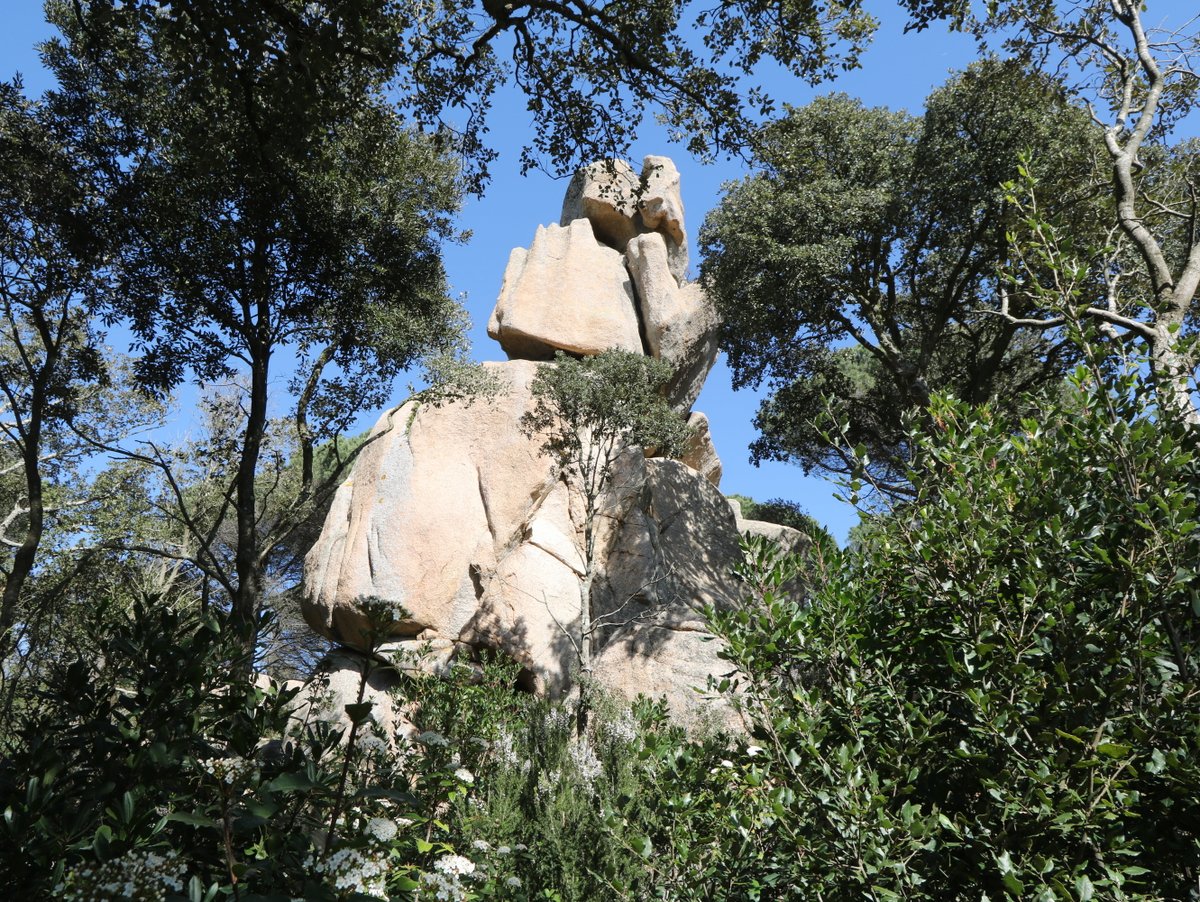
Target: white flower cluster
<point>455,866</point>
<point>622,729</point>
<point>444,882</point>
<point>437,740</point>
<point>227,770</point>
<point>135,876</point>
<point>464,776</point>
<point>369,741</point>
<point>547,783</point>
<point>383,829</point>
<point>558,718</point>
<point>505,748</point>
<point>353,869</point>
<point>587,765</point>
<point>442,887</point>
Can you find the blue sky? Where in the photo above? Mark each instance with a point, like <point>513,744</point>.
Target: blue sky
<point>898,71</point>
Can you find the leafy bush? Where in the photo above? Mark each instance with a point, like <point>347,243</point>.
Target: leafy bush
<point>154,774</point>
<point>570,812</point>
<point>994,696</point>
<point>154,771</point>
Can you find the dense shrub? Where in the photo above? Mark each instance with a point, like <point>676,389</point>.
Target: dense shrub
<point>152,774</point>
<point>994,696</point>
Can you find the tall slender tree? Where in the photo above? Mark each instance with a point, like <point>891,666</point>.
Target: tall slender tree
<point>270,204</point>
<point>51,265</point>
<point>588,413</point>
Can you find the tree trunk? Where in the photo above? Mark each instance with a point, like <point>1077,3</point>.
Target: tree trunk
<point>586,636</point>
<point>26,554</point>
<point>303,430</point>
<point>1172,375</point>
<point>248,595</point>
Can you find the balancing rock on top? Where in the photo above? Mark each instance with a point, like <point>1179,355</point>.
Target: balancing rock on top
<point>568,292</point>
<point>621,205</point>
<point>611,274</point>
<point>604,193</point>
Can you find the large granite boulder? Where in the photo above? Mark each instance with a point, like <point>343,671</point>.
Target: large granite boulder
<point>566,292</point>
<point>680,322</point>
<point>455,533</point>
<point>453,513</point>
<point>437,498</point>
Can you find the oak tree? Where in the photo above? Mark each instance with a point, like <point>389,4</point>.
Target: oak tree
<point>857,270</point>
<point>279,224</point>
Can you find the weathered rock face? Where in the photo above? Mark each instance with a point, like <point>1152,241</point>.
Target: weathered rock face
<point>431,502</point>
<point>454,513</point>
<point>680,322</point>
<point>604,193</point>
<point>699,452</point>
<point>661,206</point>
<point>567,292</point>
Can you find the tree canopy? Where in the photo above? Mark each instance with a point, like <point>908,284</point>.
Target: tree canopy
<point>1139,78</point>
<point>266,198</point>
<point>858,267</point>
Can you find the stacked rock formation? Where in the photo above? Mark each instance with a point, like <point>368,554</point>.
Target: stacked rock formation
<point>453,512</point>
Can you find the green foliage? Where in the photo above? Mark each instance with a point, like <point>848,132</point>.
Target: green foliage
<point>856,271</point>
<point>992,694</point>
<point>589,413</point>
<point>567,813</point>
<point>590,72</point>
<point>272,201</point>
<point>612,400</point>
<point>1138,78</point>
<point>150,766</point>
<point>996,695</point>
<point>815,555</point>
<point>61,391</point>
